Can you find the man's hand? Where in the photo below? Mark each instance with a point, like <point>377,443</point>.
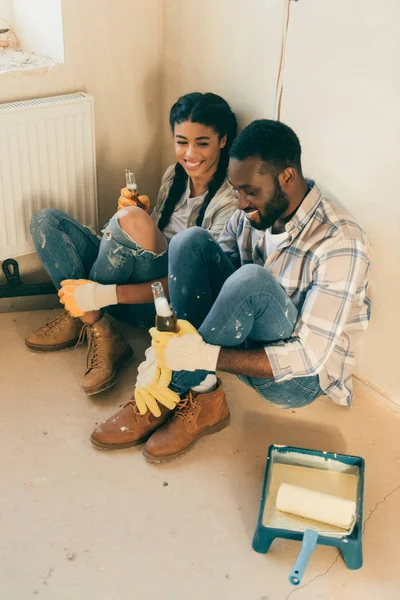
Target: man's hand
<point>185,350</point>
<point>128,198</point>
<point>152,386</point>
<point>80,296</point>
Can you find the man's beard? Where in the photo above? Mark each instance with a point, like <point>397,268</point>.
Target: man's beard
<point>276,208</point>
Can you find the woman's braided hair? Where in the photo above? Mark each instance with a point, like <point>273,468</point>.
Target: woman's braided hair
<point>212,111</point>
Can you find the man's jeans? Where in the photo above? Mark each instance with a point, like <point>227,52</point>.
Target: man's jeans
<point>69,250</point>
<point>245,308</point>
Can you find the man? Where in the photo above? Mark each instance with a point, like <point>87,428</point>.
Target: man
<point>280,301</point>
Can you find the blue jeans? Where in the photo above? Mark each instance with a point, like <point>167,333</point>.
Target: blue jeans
<point>245,308</point>
<point>69,250</point>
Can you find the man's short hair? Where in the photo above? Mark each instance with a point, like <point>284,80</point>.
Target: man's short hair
<point>275,143</point>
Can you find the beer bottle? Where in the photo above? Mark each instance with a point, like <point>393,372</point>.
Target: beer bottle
<point>130,180</point>
<point>165,318</point>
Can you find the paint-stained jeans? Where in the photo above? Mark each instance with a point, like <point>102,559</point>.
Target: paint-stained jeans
<point>246,307</point>
<point>69,250</point>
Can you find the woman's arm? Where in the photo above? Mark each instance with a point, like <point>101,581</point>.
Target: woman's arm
<point>139,293</point>
<point>225,203</point>
<point>166,183</point>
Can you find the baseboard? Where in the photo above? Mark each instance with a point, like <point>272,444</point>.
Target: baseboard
<point>28,303</point>
<point>367,387</point>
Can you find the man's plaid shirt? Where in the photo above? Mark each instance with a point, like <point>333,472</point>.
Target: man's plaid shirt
<point>324,267</point>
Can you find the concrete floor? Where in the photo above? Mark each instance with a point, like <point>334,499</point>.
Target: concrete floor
<point>79,523</point>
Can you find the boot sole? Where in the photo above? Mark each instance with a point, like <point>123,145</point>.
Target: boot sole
<point>123,360</point>
<point>164,459</point>
<point>121,446</point>
<point>44,349</point>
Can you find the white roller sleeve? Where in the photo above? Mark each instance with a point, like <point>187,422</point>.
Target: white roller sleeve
<point>316,505</point>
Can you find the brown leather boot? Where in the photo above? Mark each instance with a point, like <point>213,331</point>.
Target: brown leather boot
<point>196,415</point>
<point>58,333</point>
<point>107,353</point>
<point>128,427</point>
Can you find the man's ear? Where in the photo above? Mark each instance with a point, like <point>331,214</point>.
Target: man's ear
<point>287,177</point>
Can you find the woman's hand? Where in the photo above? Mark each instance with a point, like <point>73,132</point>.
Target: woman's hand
<point>128,198</point>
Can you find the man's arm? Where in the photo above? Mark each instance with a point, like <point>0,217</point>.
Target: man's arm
<point>251,363</point>
<point>341,272</point>
<point>139,293</point>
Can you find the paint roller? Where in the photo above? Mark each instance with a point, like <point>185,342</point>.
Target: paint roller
<point>317,506</point>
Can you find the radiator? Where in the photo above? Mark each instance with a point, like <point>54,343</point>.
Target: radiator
<point>47,160</point>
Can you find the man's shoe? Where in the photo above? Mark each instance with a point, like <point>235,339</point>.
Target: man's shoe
<point>107,353</point>
<point>61,332</point>
<point>196,415</point>
<point>128,427</point>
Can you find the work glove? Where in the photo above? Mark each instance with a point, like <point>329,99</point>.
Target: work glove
<point>152,386</point>
<point>185,350</point>
<point>128,198</point>
<point>80,296</point>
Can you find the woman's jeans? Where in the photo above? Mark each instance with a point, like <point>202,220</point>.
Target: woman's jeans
<point>69,250</point>
<point>245,308</point>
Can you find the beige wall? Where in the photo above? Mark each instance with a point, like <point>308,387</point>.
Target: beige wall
<point>115,55</point>
<point>342,96</point>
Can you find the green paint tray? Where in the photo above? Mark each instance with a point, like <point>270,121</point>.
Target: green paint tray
<point>340,475</point>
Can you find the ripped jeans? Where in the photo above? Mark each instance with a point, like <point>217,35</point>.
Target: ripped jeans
<point>69,250</point>
<point>245,308</point>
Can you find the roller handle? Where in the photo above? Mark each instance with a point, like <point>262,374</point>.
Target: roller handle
<point>307,548</point>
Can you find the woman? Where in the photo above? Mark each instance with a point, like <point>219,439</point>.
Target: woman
<point>117,271</point>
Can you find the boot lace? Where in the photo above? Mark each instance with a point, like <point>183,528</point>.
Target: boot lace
<point>57,322</point>
<point>132,403</point>
<point>95,351</point>
<point>186,407</point>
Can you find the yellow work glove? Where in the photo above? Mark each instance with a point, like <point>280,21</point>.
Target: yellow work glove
<point>185,350</point>
<point>152,386</point>
<point>128,198</point>
<point>81,295</point>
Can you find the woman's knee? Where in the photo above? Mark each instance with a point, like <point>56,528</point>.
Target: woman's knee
<point>131,218</point>
<point>140,227</point>
<point>46,217</point>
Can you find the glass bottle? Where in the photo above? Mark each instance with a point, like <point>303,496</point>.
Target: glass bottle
<point>165,318</point>
<point>130,180</point>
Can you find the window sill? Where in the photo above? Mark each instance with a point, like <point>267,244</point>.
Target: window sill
<point>18,62</point>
